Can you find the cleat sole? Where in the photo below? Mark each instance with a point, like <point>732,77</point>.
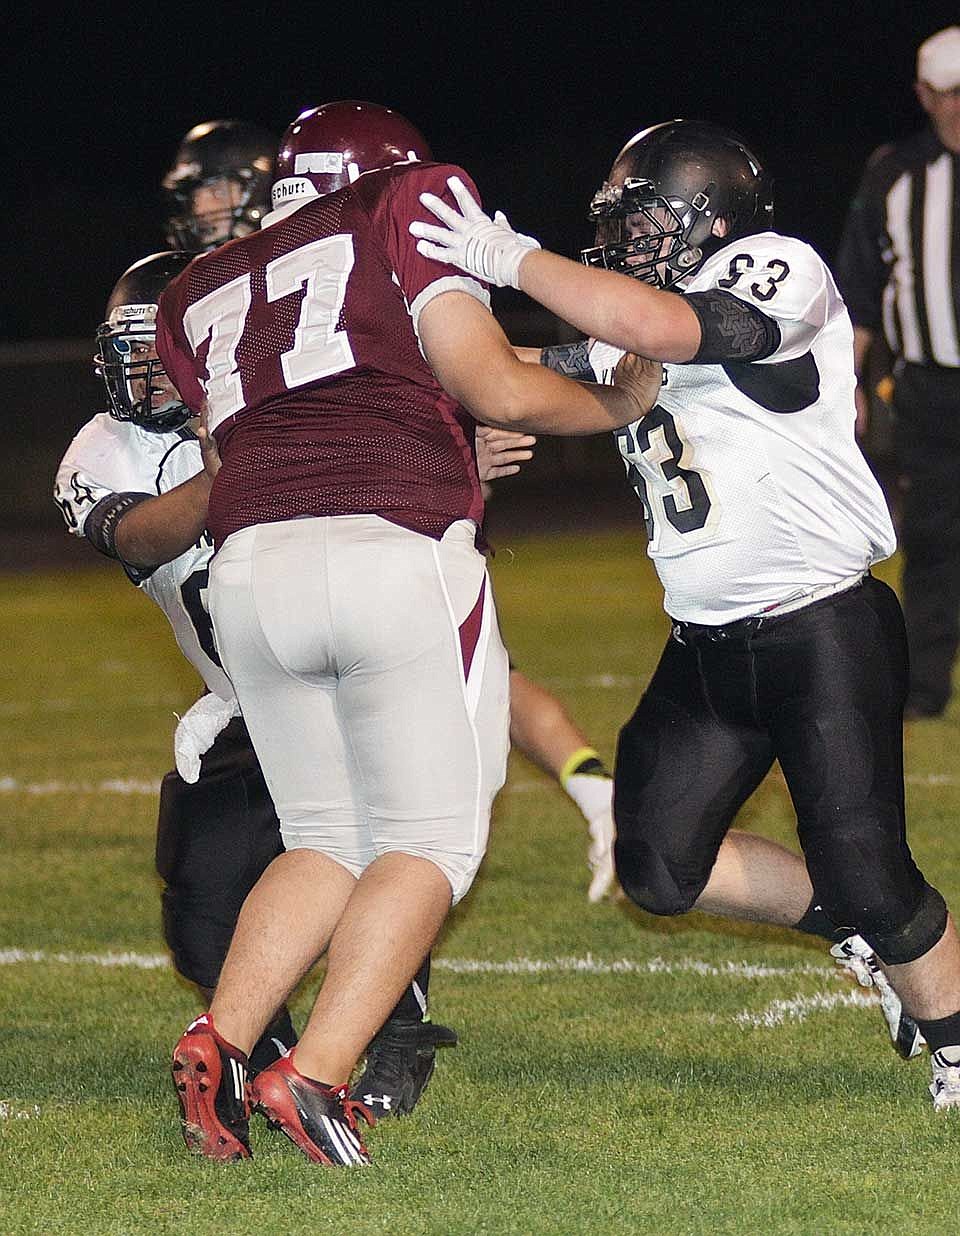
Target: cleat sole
<point>196,1076</point>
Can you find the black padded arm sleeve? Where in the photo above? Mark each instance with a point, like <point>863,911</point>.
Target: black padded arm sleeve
<point>100,529</point>
<point>570,359</point>
<point>731,329</point>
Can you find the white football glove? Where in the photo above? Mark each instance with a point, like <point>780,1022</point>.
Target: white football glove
<point>197,732</point>
<point>600,857</point>
<point>485,247</point>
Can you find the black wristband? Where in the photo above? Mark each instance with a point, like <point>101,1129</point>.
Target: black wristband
<point>570,359</point>
<point>100,528</point>
<point>731,329</point>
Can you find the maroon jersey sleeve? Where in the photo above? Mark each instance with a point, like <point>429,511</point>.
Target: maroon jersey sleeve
<point>172,347</point>
<point>392,213</point>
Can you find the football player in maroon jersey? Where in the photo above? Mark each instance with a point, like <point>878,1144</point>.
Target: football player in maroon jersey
<point>342,376</point>
<point>218,188</point>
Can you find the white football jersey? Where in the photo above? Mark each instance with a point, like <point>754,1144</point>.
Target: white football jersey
<point>754,490</point>
<point>108,457</point>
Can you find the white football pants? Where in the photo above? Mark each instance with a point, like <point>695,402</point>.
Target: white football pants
<point>368,664</point>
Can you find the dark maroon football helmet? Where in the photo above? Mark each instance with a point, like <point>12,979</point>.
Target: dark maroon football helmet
<point>329,146</point>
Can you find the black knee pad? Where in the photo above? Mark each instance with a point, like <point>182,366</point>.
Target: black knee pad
<point>916,936</point>
<point>865,878</point>
<point>648,880</point>
<point>215,839</point>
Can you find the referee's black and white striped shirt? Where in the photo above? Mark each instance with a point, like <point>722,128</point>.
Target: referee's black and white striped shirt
<point>898,267</point>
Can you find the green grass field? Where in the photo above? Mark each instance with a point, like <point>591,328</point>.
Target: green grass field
<point>616,1074</point>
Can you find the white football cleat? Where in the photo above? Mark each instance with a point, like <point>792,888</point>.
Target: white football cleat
<point>856,956</point>
<point>945,1087</point>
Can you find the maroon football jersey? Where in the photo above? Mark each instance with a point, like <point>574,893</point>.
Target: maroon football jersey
<point>302,339</point>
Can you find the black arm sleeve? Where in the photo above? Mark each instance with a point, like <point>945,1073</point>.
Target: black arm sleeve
<point>731,329</point>
<point>570,359</point>
<point>100,529</point>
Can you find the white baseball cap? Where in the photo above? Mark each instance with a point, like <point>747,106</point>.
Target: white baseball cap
<point>938,59</point>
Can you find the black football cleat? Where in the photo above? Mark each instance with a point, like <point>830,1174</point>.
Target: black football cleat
<point>400,1061</point>
<point>210,1076</point>
<point>319,1120</point>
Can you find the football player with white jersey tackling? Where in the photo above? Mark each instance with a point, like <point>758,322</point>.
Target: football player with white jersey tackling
<point>763,523</point>
<point>341,374</point>
<point>133,484</point>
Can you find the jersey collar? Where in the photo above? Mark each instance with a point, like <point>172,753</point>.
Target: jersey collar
<point>282,212</point>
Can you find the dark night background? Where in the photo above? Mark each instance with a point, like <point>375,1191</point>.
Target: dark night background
<point>534,102</point>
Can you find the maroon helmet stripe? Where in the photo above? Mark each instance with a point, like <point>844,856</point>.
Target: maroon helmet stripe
<point>470,633</point>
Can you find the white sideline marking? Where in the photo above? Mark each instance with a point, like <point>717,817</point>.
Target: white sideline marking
<point>113,785</point>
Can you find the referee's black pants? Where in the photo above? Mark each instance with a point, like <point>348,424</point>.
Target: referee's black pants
<point>927,440</point>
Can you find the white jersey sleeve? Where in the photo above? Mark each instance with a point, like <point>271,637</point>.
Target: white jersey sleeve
<point>783,278</point>
<point>755,493</point>
<point>108,457</point>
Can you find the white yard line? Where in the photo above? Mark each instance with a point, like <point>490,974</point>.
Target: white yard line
<point>776,1013</point>
<point>800,1008</point>
<point>113,785</point>
<point>623,965</point>
<point>468,965</point>
<point>135,785</point>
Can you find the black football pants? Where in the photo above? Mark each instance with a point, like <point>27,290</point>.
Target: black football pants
<point>821,690</point>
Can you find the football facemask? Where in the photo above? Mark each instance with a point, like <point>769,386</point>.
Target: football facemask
<point>136,382</point>
<point>211,212</point>
<point>645,235</point>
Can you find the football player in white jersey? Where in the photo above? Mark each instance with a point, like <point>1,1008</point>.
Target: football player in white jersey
<point>133,484</point>
<point>763,523</point>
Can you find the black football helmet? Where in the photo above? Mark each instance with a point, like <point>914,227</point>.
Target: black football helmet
<point>126,358</point>
<point>229,150</point>
<point>655,213</point>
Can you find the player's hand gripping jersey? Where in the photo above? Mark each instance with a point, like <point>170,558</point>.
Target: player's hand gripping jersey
<point>331,289</point>
<point>108,457</point>
<point>754,490</point>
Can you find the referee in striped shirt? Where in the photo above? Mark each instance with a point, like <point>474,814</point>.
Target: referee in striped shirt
<point>899,272</point>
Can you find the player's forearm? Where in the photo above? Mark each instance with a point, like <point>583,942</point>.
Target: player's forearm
<point>160,529</point>
<point>537,400</point>
<point>622,311</point>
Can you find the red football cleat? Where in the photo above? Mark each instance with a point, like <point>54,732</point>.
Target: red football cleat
<point>320,1120</point>
<point>210,1076</point>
